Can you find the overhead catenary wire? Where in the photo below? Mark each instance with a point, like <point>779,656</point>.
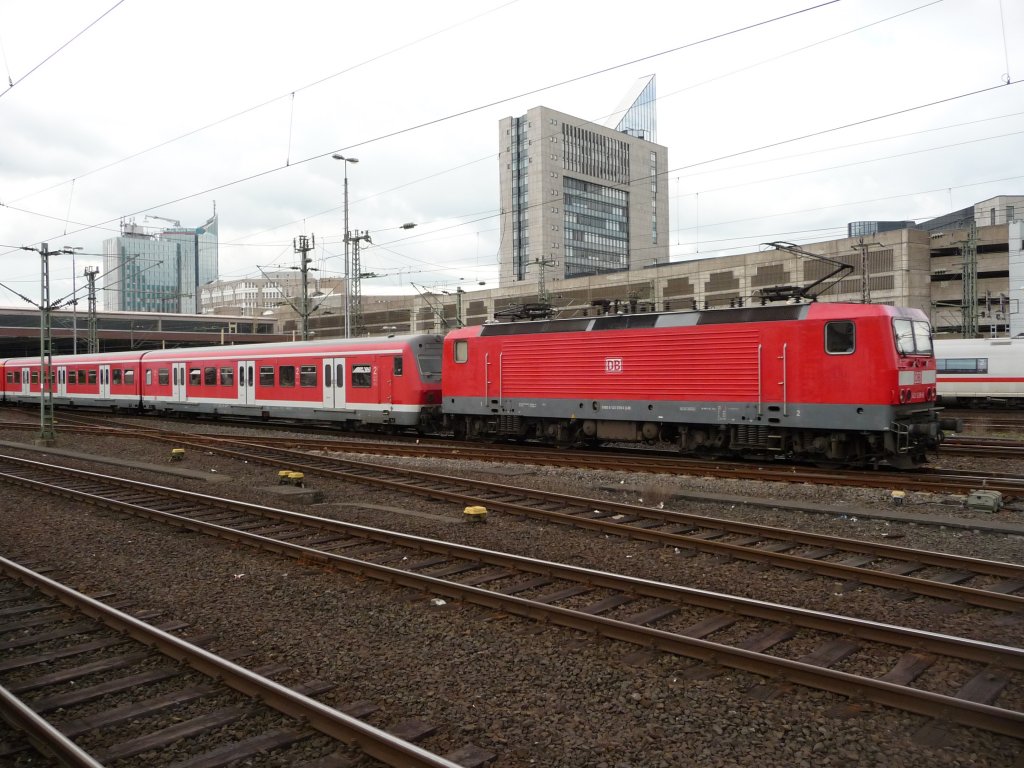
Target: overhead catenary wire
<point>21,79</point>
<point>255,176</point>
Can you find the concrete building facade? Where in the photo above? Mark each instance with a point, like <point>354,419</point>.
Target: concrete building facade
<point>920,266</point>
<point>581,199</point>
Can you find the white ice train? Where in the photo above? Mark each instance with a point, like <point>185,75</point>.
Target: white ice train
<point>972,373</point>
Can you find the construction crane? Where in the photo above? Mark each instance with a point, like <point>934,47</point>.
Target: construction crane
<point>175,222</point>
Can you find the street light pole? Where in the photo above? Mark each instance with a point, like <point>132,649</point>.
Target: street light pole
<point>348,293</point>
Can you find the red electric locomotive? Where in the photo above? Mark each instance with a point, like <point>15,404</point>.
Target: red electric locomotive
<point>831,383</point>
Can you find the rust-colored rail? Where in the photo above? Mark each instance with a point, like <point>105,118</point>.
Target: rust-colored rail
<point>307,715</point>
<point>656,615</point>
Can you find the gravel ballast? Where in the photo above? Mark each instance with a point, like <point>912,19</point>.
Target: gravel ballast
<point>532,694</point>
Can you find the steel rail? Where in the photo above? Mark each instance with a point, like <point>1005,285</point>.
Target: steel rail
<point>632,460</point>
<point>42,735</point>
<point>388,748</point>
<point>996,719</point>
<point>857,573</point>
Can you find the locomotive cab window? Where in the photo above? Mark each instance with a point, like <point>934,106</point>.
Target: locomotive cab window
<point>840,337</point>
<point>461,351</point>
<point>397,369</point>
<point>913,337</point>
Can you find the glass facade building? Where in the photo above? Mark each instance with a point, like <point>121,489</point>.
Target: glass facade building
<point>145,271</point>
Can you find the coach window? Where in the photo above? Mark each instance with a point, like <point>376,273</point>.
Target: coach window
<point>117,376</point>
<point>266,375</point>
<point>362,376</point>
<point>962,365</point>
<point>210,376</point>
<point>129,376</point>
<point>149,377</point>
<point>397,370</point>
<point>287,376</point>
<point>307,376</point>
<point>840,337</point>
<point>10,377</point>
<point>461,351</point>
<point>161,377</point>
<point>92,377</point>
<point>82,377</point>
<point>227,376</point>
<point>195,376</point>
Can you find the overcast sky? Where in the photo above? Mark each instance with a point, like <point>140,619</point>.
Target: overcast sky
<point>168,108</point>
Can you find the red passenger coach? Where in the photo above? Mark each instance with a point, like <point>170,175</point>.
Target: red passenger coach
<point>393,381</point>
<point>87,380</point>
<point>379,382</point>
<point>837,383</point>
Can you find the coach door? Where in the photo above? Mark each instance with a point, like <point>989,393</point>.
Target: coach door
<point>26,378</point>
<point>247,382</point>
<point>333,370</point>
<point>104,381</point>
<point>62,381</point>
<point>178,382</point>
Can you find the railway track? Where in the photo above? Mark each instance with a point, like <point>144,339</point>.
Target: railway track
<point>997,447</point>
<point>91,685</point>
<point>638,461</point>
<point>971,581</point>
<point>956,679</point>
